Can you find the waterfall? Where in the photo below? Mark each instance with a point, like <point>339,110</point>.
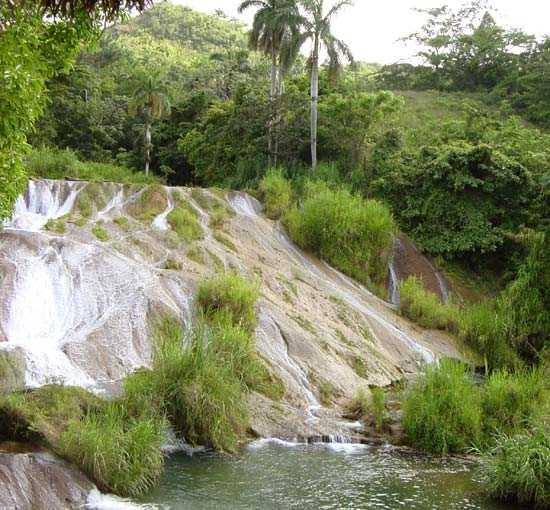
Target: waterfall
<point>393,285</point>
<point>43,201</point>
<point>244,204</point>
<point>161,221</point>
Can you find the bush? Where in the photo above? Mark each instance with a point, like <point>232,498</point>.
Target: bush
<point>49,163</point>
<point>517,468</point>
<point>231,294</point>
<point>483,327</point>
<point>442,410</point>
<point>121,453</point>
<point>512,402</point>
<point>117,446</point>
<point>183,220</point>
<point>276,193</point>
<point>423,307</point>
<point>378,407</point>
<point>352,234</point>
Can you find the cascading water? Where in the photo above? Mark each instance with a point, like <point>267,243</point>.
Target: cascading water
<point>43,201</point>
<point>161,221</point>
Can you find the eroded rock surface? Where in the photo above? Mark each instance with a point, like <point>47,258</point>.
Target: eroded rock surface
<point>40,481</point>
<point>78,305</point>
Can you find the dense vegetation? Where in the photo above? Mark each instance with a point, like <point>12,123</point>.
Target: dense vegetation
<point>455,152</point>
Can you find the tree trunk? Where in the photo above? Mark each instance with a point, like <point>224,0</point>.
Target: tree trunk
<point>314,99</point>
<point>272,95</point>
<point>147,147</point>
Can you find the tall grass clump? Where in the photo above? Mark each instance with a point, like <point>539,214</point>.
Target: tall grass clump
<point>351,233</point>
<point>51,163</point>
<point>517,468</point>
<point>118,447</point>
<point>275,193</point>
<point>442,409</point>
<point>513,401</point>
<point>424,307</point>
<point>378,407</point>
<point>120,452</point>
<point>199,379</point>
<point>231,294</point>
<point>484,327</point>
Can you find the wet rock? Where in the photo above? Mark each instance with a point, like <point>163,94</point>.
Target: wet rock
<point>40,481</point>
<point>12,371</point>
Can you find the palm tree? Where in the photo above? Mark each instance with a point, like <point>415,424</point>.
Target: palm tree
<point>151,102</point>
<point>275,32</point>
<point>317,26</point>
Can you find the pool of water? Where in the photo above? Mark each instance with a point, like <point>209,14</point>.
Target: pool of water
<point>276,475</point>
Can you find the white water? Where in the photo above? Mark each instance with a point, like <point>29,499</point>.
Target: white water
<point>98,501</point>
<point>393,285</point>
<point>161,222</point>
<point>43,201</point>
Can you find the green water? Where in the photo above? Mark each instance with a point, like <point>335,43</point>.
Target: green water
<point>272,476</point>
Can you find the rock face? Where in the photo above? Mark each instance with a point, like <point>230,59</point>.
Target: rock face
<point>39,481</point>
<point>77,304</point>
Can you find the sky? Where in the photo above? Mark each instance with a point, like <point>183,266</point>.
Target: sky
<point>372,27</point>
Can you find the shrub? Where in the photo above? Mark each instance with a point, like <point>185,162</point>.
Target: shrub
<point>50,163</point>
<point>276,193</point>
<point>232,294</point>
<point>151,202</point>
<point>483,327</point>
<point>100,233</point>
<point>378,407</point>
<point>423,307</point>
<point>512,401</point>
<point>118,449</point>
<point>353,234</point>
<point>517,468</point>
<point>121,453</point>
<point>442,409</point>
<point>183,220</point>
<point>360,404</point>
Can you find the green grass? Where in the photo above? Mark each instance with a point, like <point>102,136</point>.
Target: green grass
<point>173,265</point>
<point>424,307</point>
<point>378,398</point>
<point>196,254</point>
<point>229,293</point>
<point>50,163</point>
<point>326,393</point>
<point>122,222</point>
<point>183,220</point>
<point>360,404</point>
<point>353,234</point>
<point>442,410</point>
<point>100,233</point>
<point>58,226</point>
<point>120,451</point>
<point>151,202</point>
<point>223,239</point>
<point>517,468</point>
<point>512,402</point>
<point>276,193</point>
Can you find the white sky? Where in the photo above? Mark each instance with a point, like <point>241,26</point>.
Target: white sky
<point>372,27</point>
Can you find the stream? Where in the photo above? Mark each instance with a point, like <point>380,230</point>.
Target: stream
<point>279,475</point>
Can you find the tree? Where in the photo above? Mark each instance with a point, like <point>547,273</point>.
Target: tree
<point>151,102</point>
<point>317,26</point>
<point>37,41</point>
<point>275,32</point>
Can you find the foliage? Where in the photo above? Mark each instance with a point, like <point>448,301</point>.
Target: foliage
<point>122,454</point>
<point>517,468</point>
<point>229,294</point>
<point>184,221</point>
<point>513,402</point>
<point>424,307</point>
<point>31,52</point>
<point>276,193</point>
<point>442,411</point>
<point>100,233</point>
<point>118,448</point>
<point>352,234</point>
<point>48,163</point>
<point>378,407</point>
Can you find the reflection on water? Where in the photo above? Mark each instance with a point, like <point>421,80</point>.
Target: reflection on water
<point>280,476</point>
